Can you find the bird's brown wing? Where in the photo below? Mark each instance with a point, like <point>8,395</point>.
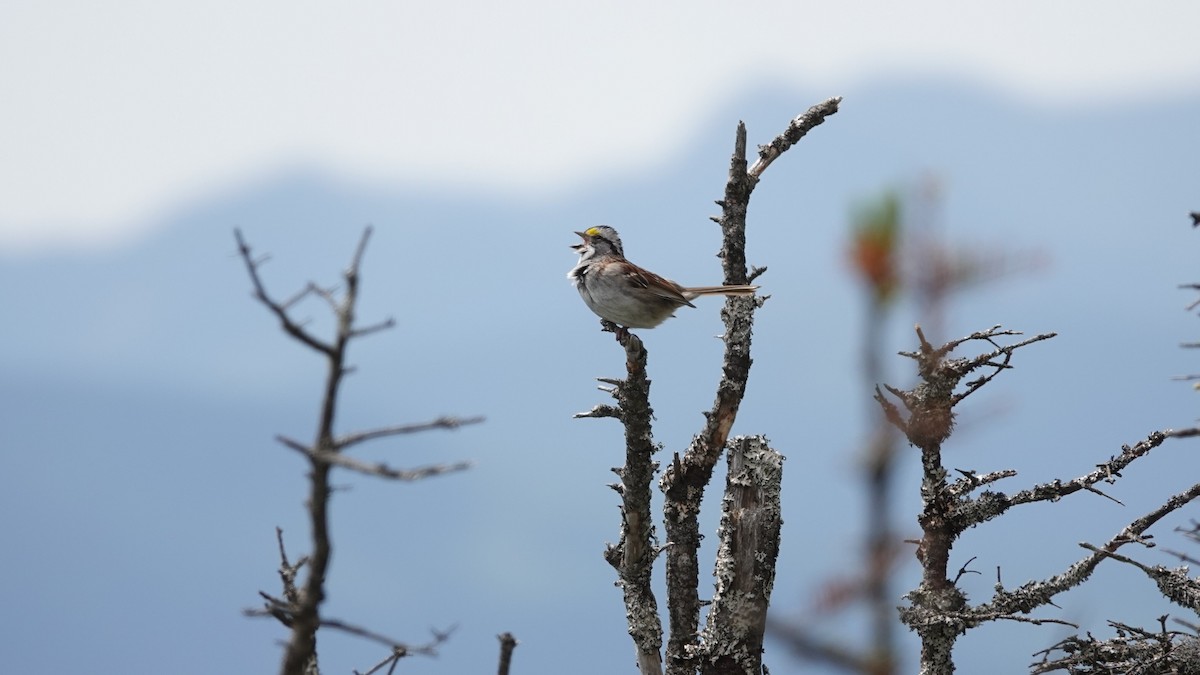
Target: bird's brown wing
<point>664,288</point>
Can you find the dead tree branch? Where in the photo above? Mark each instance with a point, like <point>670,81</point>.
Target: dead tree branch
<point>936,604</point>
<point>684,480</point>
<point>299,609</point>
<point>939,611</point>
<point>1133,650</point>
<point>507,644</point>
<point>634,553</point>
<point>1034,594</point>
<point>745,570</point>
<point>991,504</point>
<point>799,128</point>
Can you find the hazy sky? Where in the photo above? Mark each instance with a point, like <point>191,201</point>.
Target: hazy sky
<point>112,111</point>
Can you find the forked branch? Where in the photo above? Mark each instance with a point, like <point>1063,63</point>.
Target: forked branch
<point>688,473</point>
<point>299,608</point>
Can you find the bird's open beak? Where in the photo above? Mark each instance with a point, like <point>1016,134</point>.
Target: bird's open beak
<point>578,247</point>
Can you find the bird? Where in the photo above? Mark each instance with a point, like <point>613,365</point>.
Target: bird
<point>625,294</point>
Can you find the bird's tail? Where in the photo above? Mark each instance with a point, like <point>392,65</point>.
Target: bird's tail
<point>719,290</point>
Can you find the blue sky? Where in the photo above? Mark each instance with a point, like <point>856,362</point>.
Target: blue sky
<point>143,387</point>
<point>130,106</point>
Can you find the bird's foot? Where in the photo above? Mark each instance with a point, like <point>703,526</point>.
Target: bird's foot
<point>621,332</point>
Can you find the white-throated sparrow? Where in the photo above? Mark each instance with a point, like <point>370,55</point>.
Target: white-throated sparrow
<point>625,294</point>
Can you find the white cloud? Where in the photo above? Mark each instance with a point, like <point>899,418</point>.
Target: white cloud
<point>113,110</point>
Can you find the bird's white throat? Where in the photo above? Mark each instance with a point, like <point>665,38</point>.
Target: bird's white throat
<point>576,274</point>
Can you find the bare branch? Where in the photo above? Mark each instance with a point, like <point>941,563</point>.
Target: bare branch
<point>294,444</point>
<point>507,644</point>
<point>799,127</point>
<point>890,411</point>
<point>745,570</point>
<point>1174,584</point>
<point>326,294</point>
<point>971,480</point>
<point>684,481</point>
<point>279,310</point>
<point>938,611</point>
<point>384,471</point>
<point>447,422</point>
<point>991,504</point>
<point>386,324</point>
<point>1106,471</point>
<point>287,571</point>
<point>378,469</point>
<point>599,411</point>
<point>964,570</point>
<point>1093,490</point>
<point>634,557</point>
<point>300,656</point>
<point>1133,650</point>
<point>427,649</point>
<point>390,662</point>
<point>356,263</point>
<point>634,553</point>
<point>987,360</point>
<point>295,299</point>
<point>285,609</point>
<point>932,401</point>
<point>1035,594</point>
<point>1029,619</point>
<point>300,609</point>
